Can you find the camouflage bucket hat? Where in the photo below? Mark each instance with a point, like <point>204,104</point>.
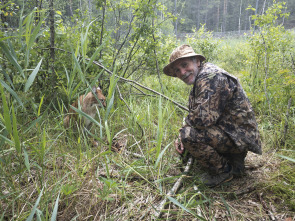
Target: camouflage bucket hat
<point>183,51</point>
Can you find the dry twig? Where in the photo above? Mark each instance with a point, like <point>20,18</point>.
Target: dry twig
<point>174,189</point>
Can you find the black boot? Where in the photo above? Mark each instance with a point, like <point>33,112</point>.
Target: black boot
<point>238,163</point>
<point>212,180</point>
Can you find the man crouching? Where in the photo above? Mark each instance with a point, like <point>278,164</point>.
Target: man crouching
<point>221,127</point>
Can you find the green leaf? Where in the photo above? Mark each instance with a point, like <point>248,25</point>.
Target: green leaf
<point>40,105</point>
<point>109,106</point>
<point>108,132</point>
<point>36,33</point>
<point>287,158</point>
<point>27,162</point>
<point>184,208</point>
<point>30,218</point>
<point>32,76</point>
<point>7,77</point>
<point>161,154</point>
<point>15,132</point>
<point>43,143</point>
<point>54,213</point>
<point>84,40</point>
<point>6,114</point>
<point>11,58</point>
<point>86,115</point>
<point>3,6</point>
<point>94,56</point>
<point>160,128</point>
<point>79,68</point>
<point>10,142</point>
<point>12,92</point>
<point>33,124</point>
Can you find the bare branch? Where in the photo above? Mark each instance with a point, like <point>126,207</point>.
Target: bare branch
<point>174,189</point>
<point>140,85</point>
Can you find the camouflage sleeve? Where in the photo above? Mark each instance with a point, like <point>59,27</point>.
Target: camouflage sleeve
<point>208,99</point>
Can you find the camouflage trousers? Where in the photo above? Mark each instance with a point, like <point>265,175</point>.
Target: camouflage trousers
<point>211,147</point>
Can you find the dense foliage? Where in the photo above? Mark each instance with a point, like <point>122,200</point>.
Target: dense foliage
<point>47,61</point>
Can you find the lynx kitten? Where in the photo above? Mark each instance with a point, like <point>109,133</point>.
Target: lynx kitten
<point>88,105</point>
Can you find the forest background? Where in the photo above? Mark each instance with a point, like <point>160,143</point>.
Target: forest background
<point>54,51</point>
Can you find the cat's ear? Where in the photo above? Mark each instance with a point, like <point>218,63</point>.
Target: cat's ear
<point>94,89</point>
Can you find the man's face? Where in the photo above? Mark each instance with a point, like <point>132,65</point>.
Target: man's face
<point>186,70</point>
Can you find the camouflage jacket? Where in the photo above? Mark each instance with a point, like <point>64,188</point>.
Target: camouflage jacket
<point>218,98</point>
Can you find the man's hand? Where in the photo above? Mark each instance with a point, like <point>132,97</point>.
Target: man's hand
<point>179,146</point>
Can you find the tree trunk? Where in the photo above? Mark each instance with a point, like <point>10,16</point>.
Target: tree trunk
<point>198,22</point>
<point>102,26</point>
<point>256,8</point>
<point>240,16</point>
<point>52,76</point>
<point>206,12</point>
<point>263,7</point>
<point>246,17</point>
<point>224,14</point>
<point>51,19</point>
<point>70,6</point>
<point>90,9</point>
<point>175,13</point>
<point>218,16</point>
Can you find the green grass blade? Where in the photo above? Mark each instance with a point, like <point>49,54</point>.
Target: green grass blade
<point>86,115</point>
<point>43,144</point>
<point>84,40</point>
<point>40,105</point>
<point>30,218</point>
<point>11,48</point>
<point>54,213</point>
<point>160,128</point>
<point>27,22</point>
<point>161,154</point>
<point>32,76</point>
<point>2,217</point>
<point>77,65</point>
<point>11,58</point>
<point>12,92</point>
<point>226,205</point>
<point>99,117</point>
<point>27,162</point>
<point>32,38</point>
<point>33,124</point>
<point>287,158</point>
<point>36,33</point>
<point>184,208</point>
<point>10,142</point>
<point>20,23</point>
<point>109,106</point>
<point>6,114</point>
<point>7,76</point>
<point>94,56</point>
<point>15,132</point>
<point>108,132</point>
<point>3,6</point>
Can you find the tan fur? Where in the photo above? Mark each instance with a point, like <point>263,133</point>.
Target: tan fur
<point>88,105</point>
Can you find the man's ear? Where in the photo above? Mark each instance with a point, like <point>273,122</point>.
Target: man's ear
<point>198,63</point>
